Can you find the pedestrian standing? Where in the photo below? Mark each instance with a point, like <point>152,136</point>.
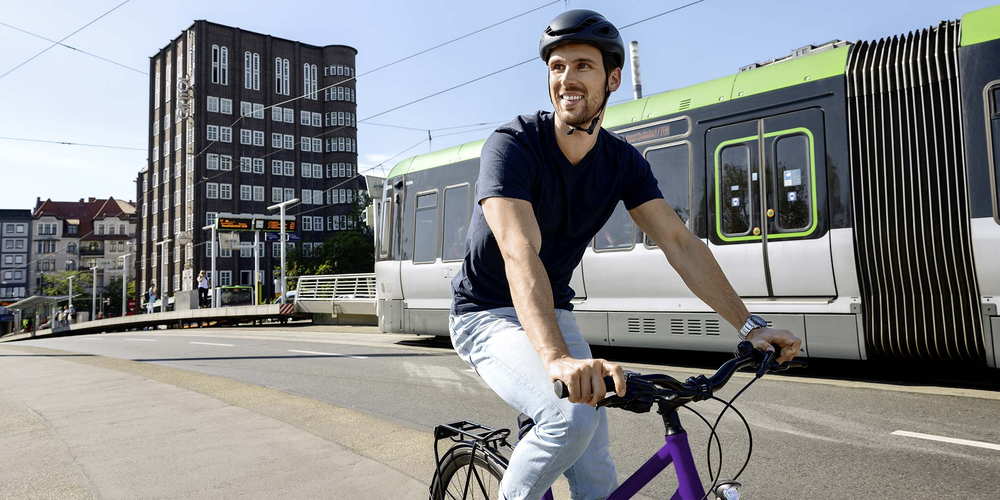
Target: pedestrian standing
<point>203,285</point>
<point>152,298</point>
<point>70,313</point>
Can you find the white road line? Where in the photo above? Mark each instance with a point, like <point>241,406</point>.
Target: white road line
<point>143,340</point>
<point>931,437</point>
<point>329,354</point>
<point>210,343</point>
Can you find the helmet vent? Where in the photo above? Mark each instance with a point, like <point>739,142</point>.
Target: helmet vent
<point>607,31</point>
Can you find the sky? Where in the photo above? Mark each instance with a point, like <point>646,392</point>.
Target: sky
<point>63,95</point>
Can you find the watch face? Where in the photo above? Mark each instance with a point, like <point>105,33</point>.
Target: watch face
<point>757,320</point>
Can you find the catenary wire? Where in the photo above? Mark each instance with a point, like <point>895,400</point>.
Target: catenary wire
<point>64,143</point>
<point>73,48</point>
<point>63,39</point>
<point>205,179</point>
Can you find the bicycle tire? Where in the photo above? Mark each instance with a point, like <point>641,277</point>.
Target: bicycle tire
<point>489,466</point>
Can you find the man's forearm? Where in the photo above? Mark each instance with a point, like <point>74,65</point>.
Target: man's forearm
<point>702,274</point>
<point>531,293</point>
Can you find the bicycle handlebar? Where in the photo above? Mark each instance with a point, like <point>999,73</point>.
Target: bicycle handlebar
<point>695,388</point>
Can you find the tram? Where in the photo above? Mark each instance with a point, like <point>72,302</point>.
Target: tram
<point>849,191</point>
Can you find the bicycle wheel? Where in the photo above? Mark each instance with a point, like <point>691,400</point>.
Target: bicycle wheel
<point>468,477</point>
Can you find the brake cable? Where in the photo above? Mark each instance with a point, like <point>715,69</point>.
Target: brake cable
<point>728,405</point>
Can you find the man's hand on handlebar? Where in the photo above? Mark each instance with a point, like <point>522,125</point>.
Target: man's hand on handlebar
<point>585,378</point>
<point>784,343</point>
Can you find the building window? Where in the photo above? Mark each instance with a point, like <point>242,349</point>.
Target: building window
<point>307,224</point>
<point>210,218</point>
<point>305,118</point>
<point>307,198</point>
<point>285,76</point>
<point>289,168</point>
<point>289,194</point>
<point>258,193</point>
<point>258,163</point>
<point>276,141</point>
<point>258,111</point>
<point>278,76</point>
<point>212,104</point>
<point>289,141</point>
<point>306,144</point>
<point>276,114</point>
<point>226,134</point>
<point>276,167</point>
<point>211,162</point>
<point>213,133</point>
<point>258,138</point>
<point>276,195</point>
<point>212,190</point>
<point>226,191</point>
<point>256,71</point>
<point>317,119</point>
<point>246,109</point>
<point>289,115</point>
<point>215,63</point>
<point>226,106</point>
<point>317,171</point>
<point>307,170</point>
<point>245,164</point>
<point>246,193</point>
<point>224,79</point>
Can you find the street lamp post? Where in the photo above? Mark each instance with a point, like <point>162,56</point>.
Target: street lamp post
<point>124,280</point>
<point>70,305</point>
<point>93,295</point>
<point>281,219</point>
<point>163,274</point>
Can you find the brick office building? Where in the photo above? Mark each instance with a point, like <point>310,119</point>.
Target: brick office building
<point>223,139</point>
<point>15,255</point>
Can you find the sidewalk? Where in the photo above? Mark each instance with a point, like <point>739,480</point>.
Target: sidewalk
<point>74,430</point>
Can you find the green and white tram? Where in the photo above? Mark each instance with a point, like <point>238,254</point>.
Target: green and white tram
<point>849,191</point>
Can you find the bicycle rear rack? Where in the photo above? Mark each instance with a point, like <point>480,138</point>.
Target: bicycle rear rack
<point>471,430</point>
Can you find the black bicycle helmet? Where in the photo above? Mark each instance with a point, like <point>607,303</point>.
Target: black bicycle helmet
<point>583,26</point>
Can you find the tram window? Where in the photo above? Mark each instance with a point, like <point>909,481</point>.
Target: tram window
<point>617,232</point>
<point>671,166</point>
<point>734,187</point>
<point>425,228</point>
<point>456,222</point>
<point>386,227</point>
<point>792,171</point>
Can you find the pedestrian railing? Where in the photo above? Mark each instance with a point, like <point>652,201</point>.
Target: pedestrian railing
<point>336,294</point>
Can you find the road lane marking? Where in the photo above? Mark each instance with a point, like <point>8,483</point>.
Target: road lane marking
<point>143,340</point>
<point>931,437</point>
<point>211,343</point>
<point>329,354</point>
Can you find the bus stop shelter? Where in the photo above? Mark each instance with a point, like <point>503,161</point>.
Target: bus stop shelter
<point>40,309</point>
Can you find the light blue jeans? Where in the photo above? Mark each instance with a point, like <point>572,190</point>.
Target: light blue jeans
<point>570,439</point>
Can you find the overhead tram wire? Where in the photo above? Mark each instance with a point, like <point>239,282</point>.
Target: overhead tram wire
<point>64,143</point>
<point>73,48</point>
<point>206,179</point>
<point>63,39</point>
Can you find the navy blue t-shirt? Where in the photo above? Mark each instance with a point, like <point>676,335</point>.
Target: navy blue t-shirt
<point>571,203</point>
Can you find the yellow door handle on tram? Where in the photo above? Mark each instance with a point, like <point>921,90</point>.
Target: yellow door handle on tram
<point>770,212</point>
<point>756,231</point>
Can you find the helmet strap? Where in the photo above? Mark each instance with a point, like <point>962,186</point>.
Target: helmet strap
<point>597,118</point>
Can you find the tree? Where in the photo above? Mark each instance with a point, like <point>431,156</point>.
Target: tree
<point>113,293</point>
<point>349,251</point>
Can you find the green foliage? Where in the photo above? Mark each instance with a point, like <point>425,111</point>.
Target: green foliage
<point>349,251</point>
<point>57,284</point>
<point>113,294</point>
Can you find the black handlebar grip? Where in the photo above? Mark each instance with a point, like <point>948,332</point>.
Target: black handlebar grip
<point>562,391</point>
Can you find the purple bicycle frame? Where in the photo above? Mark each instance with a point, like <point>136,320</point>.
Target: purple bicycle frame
<point>676,451</point>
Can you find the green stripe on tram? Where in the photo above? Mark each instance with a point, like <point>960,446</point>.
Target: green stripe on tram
<point>775,76</point>
<point>980,26</point>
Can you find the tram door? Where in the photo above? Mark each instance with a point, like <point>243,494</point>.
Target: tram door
<point>733,161</point>
<point>767,205</point>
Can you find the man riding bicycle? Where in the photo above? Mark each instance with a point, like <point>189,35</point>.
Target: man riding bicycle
<point>548,182</point>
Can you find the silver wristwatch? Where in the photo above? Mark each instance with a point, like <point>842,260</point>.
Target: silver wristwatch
<point>753,322</point>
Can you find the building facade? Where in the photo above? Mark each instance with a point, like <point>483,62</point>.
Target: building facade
<point>228,133</point>
<point>15,255</point>
<point>81,236</point>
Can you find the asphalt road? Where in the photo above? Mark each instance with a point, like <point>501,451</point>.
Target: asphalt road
<point>825,436</point>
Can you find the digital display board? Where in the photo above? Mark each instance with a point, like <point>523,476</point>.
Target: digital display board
<point>655,132</point>
<point>275,226</point>
<point>234,224</point>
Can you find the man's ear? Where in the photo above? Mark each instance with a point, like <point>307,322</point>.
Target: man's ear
<point>615,79</point>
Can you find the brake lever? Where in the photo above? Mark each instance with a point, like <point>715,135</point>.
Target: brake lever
<point>765,364</point>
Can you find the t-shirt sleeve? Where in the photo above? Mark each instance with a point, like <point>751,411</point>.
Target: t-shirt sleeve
<point>505,168</point>
<point>641,185</point>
